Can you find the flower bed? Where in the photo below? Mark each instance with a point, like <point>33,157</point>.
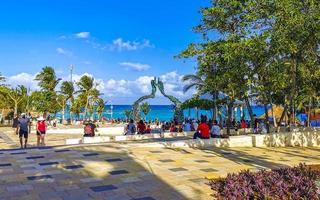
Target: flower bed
<point>300,182</point>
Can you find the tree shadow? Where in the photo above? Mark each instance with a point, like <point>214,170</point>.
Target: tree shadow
<point>242,157</point>
<point>87,172</point>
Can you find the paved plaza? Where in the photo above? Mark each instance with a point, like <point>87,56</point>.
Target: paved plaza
<point>131,170</point>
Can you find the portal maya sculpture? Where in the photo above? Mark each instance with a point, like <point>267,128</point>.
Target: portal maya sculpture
<point>157,83</point>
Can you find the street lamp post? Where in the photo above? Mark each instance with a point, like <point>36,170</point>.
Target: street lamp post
<point>111,110</point>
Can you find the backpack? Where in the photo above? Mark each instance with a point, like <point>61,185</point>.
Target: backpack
<point>88,129</point>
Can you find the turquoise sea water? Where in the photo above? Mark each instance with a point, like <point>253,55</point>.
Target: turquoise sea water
<point>164,112</point>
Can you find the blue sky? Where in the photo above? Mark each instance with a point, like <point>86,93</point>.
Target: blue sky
<point>121,43</point>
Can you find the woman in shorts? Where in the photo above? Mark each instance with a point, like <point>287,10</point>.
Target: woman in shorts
<point>41,130</point>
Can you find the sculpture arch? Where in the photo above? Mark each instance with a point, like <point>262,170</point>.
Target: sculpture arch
<point>157,83</point>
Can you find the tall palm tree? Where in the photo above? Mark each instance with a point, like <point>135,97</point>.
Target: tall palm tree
<point>86,86</point>
<point>100,107</point>
<point>47,79</point>
<point>94,98</point>
<point>67,89</point>
<point>76,106</point>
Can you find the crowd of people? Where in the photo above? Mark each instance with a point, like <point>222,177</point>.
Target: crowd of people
<point>203,128</point>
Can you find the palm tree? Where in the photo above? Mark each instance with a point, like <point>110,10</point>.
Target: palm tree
<point>67,89</point>
<point>16,95</point>
<point>128,114</point>
<point>47,79</point>
<point>86,85</point>
<point>193,81</point>
<point>145,107</point>
<point>100,107</point>
<point>76,106</point>
<point>94,98</point>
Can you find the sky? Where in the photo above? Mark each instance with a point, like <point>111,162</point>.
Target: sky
<point>123,44</point>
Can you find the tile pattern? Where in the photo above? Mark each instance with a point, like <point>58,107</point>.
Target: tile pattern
<point>125,171</point>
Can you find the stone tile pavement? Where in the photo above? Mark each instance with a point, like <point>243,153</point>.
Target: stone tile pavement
<point>124,171</point>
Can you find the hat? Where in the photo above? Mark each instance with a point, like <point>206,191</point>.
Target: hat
<point>23,114</point>
<point>41,119</point>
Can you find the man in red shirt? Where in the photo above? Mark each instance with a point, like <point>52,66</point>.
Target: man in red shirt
<point>203,131</point>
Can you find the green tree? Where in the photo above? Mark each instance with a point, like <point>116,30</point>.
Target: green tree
<point>145,108</point>
<point>76,106</point>
<point>86,86</point>
<point>100,107</point>
<point>44,102</point>
<point>62,101</point>
<point>17,96</point>
<point>68,90</point>
<point>47,79</point>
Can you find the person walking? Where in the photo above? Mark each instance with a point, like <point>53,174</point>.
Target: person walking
<point>41,128</point>
<point>23,129</point>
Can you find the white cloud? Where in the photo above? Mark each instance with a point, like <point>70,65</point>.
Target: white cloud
<point>135,66</point>
<point>63,52</point>
<point>115,89</point>
<point>83,35</point>
<point>120,45</point>
<point>22,79</point>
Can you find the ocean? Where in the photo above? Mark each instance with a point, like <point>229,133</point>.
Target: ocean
<point>164,112</point>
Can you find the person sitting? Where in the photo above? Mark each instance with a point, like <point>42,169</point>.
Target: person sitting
<point>172,128</point>
<point>187,126</point>
<point>203,130</point>
<point>130,128</point>
<point>89,129</point>
<point>243,123</point>
<point>148,130</point>
<point>215,130</point>
<point>141,127</point>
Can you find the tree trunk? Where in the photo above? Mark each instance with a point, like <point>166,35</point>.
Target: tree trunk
<point>229,115</point>
<point>246,99</point>
<point>86,109</point>
<point>309,111</point>
<point>273,117</point>
<point>15,108</point>
<point>266,120</point>
<point>63,111</point>
<point>282,116</point>
<point>215,107</point>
